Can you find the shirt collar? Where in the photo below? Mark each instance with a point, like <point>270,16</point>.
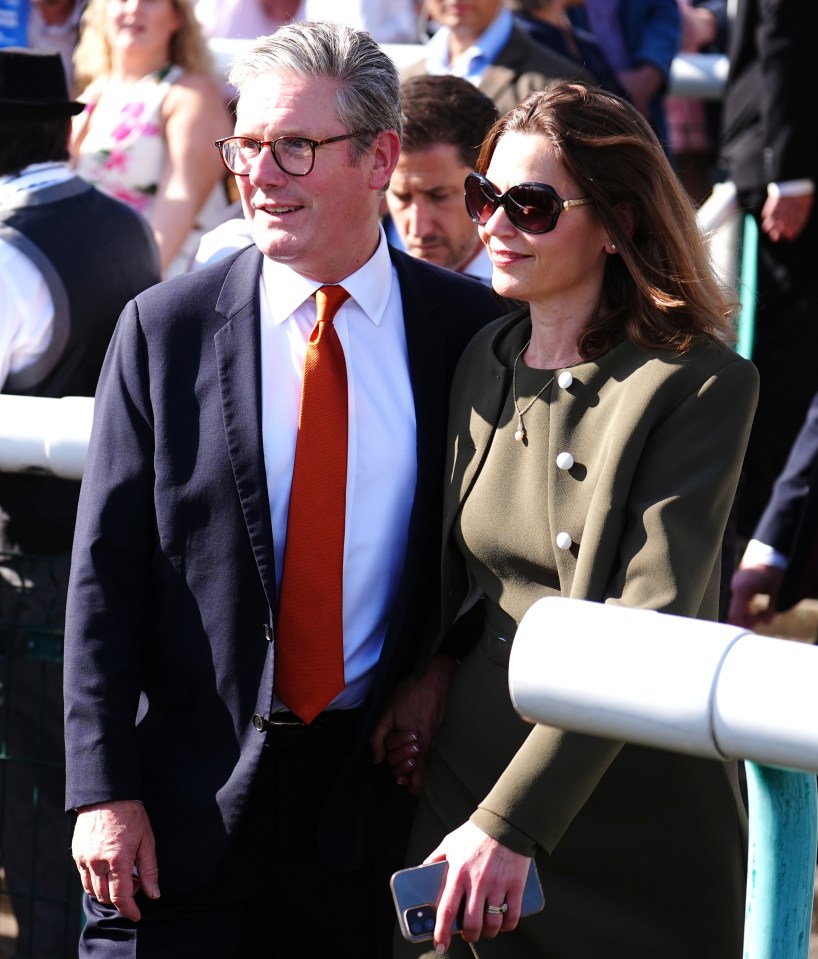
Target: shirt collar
<point>369,286</point>
<point>36,176</point>
<point>480,266</point>
<point>480,54</point>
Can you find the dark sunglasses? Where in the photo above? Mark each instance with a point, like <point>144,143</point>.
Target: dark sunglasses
<point>531,207</point>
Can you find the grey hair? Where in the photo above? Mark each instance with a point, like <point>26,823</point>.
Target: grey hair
<point>368,95</point>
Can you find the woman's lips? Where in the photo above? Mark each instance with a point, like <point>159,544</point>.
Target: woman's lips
<point>505,257</point>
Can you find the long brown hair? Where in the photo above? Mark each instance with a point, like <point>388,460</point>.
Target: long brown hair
<point>661,289</point>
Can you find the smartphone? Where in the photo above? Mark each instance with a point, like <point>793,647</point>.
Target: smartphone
<point>416,892</point>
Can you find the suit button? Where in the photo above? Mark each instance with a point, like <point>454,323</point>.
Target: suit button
<point>268,633</point>
<point>563,540</point>
<point>565,461</point>
<point>565,379</point>
<point>260,723</point>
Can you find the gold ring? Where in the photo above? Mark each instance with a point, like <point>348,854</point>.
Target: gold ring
<point>497,910</point>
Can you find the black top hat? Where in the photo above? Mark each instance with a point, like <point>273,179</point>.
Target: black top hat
<point>33,87</point>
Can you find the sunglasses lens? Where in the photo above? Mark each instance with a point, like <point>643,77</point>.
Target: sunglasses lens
<point>532,208</point>
<point>481,200</point>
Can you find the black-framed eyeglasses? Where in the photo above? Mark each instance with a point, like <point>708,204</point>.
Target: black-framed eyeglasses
<point>531,207</point>
<point>294,155</point>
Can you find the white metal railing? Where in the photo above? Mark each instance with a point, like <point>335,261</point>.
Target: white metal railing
<point>40,435</point>
<point>702,688</point>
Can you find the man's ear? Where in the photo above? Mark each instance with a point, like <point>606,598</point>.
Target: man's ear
<point>386,151</point>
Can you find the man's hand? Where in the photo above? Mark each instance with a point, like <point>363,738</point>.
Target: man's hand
<point>406,730</point>
<point>783,218</point>
<point>747,585</point>
<point>482,872</point>
<point>115,853</point>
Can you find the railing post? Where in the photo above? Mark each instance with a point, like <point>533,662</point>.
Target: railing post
<point>780,874</point>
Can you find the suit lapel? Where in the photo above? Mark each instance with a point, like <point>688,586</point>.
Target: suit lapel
<point>496,80</point>
<point>510,62</point>
<point>238,355</point>
<point>424,325</point>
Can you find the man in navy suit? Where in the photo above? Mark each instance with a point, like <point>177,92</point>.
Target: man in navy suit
<point>267,831</point>
<point>781,560</point>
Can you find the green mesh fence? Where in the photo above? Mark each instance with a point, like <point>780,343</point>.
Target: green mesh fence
<point>40,899</point>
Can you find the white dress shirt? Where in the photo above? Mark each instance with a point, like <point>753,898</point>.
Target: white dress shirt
<point>26,307</point>
<point>382,458</point>
<point>479,266</point>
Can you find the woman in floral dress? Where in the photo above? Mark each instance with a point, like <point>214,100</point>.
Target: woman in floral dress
<point>153,110</point>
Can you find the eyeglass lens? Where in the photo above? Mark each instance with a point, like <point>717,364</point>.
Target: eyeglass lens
<point>295,155</point>
<point>531,207</point>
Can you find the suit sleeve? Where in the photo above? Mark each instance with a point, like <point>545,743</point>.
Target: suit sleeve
<point>660,36</point>
<point>109,604</point>
<point>779,522</point>
<point>669,547</point>
<point>785,33</point>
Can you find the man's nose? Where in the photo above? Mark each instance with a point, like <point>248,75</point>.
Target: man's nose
<point>420,219</point>
<point>265,171</point>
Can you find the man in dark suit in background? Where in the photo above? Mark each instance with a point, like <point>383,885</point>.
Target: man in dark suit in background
<point>70,259</point>
<point>445,120</point>
<point>781,560</point>
<point>480,41</point>
<point>211,742</point>
<point>768,152</point>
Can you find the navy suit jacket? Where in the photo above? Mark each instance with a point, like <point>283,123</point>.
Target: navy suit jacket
<point>169,643</point>
<point>790,520</point>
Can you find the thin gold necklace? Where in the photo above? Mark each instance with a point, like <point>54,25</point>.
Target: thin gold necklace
<point>520,435</point>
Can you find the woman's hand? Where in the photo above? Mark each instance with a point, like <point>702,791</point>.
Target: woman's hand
<point>406,730</point>
<point>482,872</point>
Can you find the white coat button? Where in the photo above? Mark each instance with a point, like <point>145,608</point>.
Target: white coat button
<point>565,379</point>
<point>565,461</point>
<point>563,540</point>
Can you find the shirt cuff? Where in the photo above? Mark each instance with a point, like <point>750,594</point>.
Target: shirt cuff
<point>791,188</point>
<point>760,554</point>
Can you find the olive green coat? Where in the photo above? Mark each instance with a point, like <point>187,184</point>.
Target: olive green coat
<point>658,442</point>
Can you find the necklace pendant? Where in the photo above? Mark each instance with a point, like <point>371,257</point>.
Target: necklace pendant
<point>520,434</point>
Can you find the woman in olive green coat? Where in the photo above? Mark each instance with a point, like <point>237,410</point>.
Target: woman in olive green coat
<point>596,438</point>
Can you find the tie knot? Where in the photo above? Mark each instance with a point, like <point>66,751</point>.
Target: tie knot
<point>328,300</point>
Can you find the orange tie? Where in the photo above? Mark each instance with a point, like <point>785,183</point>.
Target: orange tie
<point>309,666</point>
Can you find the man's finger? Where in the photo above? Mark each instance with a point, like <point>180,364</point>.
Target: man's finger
<point>121,888</point>
<point>147,869</point>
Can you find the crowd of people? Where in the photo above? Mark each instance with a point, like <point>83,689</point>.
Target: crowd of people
<point>381,356</point>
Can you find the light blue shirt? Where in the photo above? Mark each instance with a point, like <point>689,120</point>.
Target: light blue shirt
<point>481,53</point>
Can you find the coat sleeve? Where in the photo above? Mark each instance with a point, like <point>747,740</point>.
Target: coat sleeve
<point>659,35</point>
<point>665,558</point>
<point>779,522</point>
<point>109,603</point>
